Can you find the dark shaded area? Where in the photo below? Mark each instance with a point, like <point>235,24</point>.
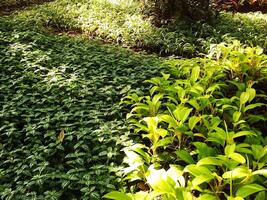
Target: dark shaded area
<point>253,8</point>
<point>20,5</point>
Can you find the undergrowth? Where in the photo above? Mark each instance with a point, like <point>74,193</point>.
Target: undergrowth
<point>61,126</point>
<point>123,22</point>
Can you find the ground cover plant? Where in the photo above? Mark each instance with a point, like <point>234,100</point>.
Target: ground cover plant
<point>61,126</point>
<point>202,134</point>
<point>125,22</point>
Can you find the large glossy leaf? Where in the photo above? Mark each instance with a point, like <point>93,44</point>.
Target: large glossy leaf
<point>238,172</point>
<point>247,190</point>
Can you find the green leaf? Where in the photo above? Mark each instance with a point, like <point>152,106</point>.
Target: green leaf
<point>252,93</point>
<point>244,97</point>
<point>162,132</point>
<point>117,196</point>
<point>169,119</point>
<point>194,103</point>
<point>207,197</point>
<point>156,98</point>
<point>181,92</point>
<point>209,161</point>
<point>247,190</point>
<point>229,149</point>
<point>185,156</point>
<point>252,106</point>
<point>146,195</point>
<point>195,74</point>
<point>198,170</point>
<point>193,121</point>
<point>181,113</point>
<point>236,116</point>
<point>260,172</point>
<point>242,133</point>
<point>238,172</point>
<point>261,195</point>
<point>160,181</point>
<point>238,158</point>
<point>202,179</point>
<point>235,198</point>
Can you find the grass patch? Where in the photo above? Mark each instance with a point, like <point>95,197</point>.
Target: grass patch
<point>123,22</point>
<point>61,126</point>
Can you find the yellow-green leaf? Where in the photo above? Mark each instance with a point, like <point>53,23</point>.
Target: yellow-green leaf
<point>247,190</point>
<point>61,135</point>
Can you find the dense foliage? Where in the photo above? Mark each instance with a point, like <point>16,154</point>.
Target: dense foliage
<point>203,126</point>
<point>61,126</point>
<point>123,22</point>
<point>197,131</point>
<point>187,9</point>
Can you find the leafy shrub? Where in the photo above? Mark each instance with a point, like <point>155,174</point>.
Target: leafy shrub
<point>199,125</point>
<point>61,126</point>
<point>124,23</point>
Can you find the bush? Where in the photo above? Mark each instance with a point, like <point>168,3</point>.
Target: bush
<point>202,129</point>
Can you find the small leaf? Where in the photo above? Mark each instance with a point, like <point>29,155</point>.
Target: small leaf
<point>181,92</point>
<point>242,133</point>
<point>198,170</point>
<point>229,149</point>
<point>195,74</point>
<point>247,190</point>
<point>252,93</point>
<point>252,106</point>
<point>117,196</point>
<point>193,121</point>
<point>185,156</point>
<point>201,179</point>
<point>207,197</point>
<point>61,135</point>
<point>156,98</point>
<point>209,161</point>
<point>181,113</point>
<point>238,158</point>
<point>194,103</point>
<point>244,97</point>
<point>236,116</point>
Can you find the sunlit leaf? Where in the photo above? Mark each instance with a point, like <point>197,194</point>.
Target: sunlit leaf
<point>247,190</point>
